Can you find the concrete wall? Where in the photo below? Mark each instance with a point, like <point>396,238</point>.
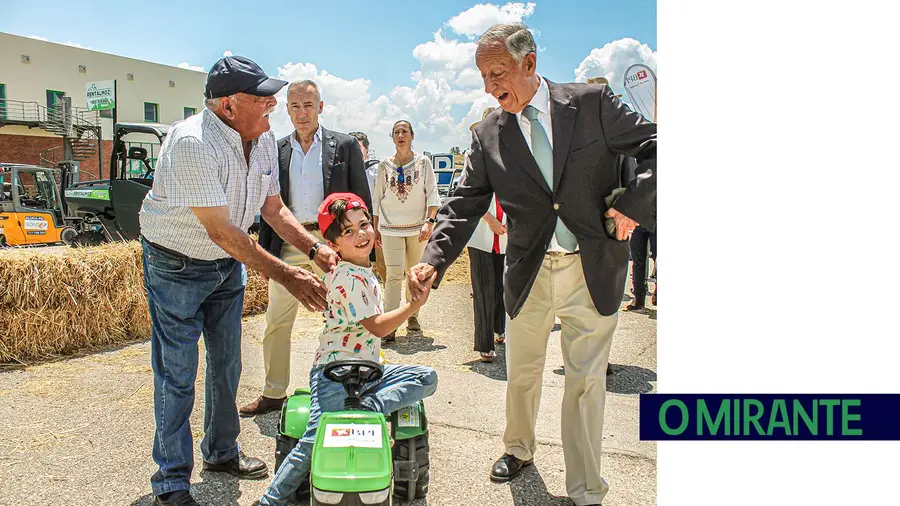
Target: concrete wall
<point>55,67</point>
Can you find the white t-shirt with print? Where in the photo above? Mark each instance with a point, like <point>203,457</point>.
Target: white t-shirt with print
<point>353,296</point>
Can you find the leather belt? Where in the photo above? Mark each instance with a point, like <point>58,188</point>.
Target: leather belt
<point>558,254</point>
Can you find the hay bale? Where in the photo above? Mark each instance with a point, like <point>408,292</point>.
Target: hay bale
<point>106,275</point>
<point>256,294</point>
<point>80,300</point>
<point>84,299</point>
<point>55,305</point>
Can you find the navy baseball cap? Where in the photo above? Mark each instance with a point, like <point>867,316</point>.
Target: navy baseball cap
<point>236,74</point>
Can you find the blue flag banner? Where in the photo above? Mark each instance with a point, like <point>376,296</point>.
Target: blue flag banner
<point>773,417</point>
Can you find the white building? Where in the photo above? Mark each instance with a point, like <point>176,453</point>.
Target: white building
<point>35,75</point>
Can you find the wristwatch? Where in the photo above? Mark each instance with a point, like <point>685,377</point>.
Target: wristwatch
<point>314,249</point>
<point>432,220</point>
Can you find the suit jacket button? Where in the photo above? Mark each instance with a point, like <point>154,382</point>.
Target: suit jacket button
<point>556,206</point>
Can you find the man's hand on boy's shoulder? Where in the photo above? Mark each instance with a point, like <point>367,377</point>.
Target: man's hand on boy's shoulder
<point>305,287</point>
<point>326,258</point>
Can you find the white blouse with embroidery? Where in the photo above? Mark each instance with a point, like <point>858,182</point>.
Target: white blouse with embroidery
<point>402,207</point>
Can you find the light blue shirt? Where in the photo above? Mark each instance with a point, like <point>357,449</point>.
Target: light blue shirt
<point>307,185</point>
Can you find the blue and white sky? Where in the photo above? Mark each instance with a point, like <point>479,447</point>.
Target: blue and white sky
<point>376,62</point>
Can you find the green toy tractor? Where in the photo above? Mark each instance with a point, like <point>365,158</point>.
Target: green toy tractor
<point>353,461</point>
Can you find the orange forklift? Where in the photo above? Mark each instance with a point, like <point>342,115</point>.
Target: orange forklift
<point>31,208</point>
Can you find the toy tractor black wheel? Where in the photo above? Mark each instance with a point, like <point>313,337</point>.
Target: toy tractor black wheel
<point>403,454</point>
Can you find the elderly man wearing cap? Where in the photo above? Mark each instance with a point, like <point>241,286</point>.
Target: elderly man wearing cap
<point>216,170</point>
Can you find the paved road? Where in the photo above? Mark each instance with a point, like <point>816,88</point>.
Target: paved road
<point>79,431</point>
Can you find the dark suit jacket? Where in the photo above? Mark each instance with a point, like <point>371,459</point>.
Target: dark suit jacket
<point>343,170</point>
<point>590,128</point>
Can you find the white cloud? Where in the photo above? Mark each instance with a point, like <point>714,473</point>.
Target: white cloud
<point>613,59</point>
<point>75,44</point>
<point>469,77</point>
<point>188,66</point>
<point>227,53</point>
<point>66,43</point>
<point>446,79</point>
<point>445,94</point>
<point>476,20</point>
<point>442,54</point>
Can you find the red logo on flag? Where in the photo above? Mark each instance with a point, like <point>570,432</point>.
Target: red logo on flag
<point>340,432</point>
<point>642,74</point>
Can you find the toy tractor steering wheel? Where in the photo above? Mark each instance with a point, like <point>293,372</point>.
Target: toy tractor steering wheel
<point>353,374</point>
<point>348,370</point>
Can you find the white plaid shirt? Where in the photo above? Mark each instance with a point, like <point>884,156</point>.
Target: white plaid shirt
<point>201,164</point>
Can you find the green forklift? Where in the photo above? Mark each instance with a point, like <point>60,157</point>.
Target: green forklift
<point>353,461</point>
<point>107,210</point>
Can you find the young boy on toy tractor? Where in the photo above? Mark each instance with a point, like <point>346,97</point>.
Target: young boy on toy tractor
<point>355,322</point>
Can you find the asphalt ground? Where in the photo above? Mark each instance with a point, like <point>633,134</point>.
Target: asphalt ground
<point>79,431</point>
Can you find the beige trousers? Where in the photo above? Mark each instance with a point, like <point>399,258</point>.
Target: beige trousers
<point>400,253</point>
<point>560,291</point>
<point>280,316</point>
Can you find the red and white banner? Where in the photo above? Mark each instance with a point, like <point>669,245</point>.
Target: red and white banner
<point>640,84</point>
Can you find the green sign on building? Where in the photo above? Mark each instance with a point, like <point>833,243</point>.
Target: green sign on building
<point>101,95</point>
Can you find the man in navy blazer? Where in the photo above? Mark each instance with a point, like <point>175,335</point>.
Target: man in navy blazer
<point>549,153</point>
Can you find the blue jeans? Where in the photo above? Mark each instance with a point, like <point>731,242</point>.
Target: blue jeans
<point>400,386</point>
<point>188,297</point>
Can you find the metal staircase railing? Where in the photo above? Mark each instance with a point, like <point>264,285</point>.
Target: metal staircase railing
<point>80,128</point>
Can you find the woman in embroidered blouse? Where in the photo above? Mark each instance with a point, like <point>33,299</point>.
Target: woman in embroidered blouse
<point>405,203</point>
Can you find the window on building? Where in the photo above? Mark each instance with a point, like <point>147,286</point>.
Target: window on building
<point>54,105</point>
<point>2,103</point>
<point>189,111</point>
<point>151,112</point>
<point>54,97</point>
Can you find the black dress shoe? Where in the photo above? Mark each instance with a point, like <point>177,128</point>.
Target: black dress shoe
<point>507,467</point>
<point>241,466</point>
<point>177,498</point>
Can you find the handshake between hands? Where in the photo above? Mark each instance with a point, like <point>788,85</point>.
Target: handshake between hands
<point>420,278</point>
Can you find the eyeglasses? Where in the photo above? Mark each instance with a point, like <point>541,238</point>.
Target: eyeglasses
<point>401,178</point>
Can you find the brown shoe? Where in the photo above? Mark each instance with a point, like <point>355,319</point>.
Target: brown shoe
<point>412,325</point>
<point>636,305</point>
<point>261,406</point>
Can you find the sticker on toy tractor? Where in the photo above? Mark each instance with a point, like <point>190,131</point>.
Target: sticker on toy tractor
<point>408,417</point>
<point>35,223</point>
<point>341,435</point>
